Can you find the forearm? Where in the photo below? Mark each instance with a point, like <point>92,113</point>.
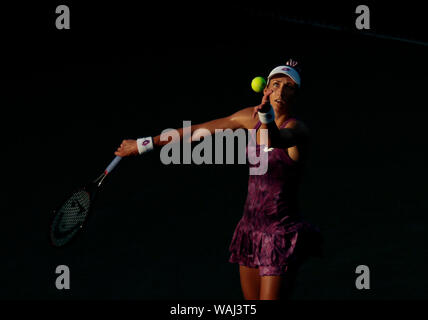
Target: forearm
<point>142,145</point>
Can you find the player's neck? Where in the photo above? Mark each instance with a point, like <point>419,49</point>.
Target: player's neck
<point>282,114</point>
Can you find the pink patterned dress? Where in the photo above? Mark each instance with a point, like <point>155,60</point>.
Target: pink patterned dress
<point>271,233</point>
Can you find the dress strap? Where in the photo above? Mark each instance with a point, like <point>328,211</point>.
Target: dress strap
<point>258,125</point>
<point>286,121</point>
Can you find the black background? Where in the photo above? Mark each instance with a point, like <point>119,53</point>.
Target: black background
<point>162,232</point>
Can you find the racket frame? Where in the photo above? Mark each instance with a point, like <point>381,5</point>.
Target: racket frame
<point>92,189</point>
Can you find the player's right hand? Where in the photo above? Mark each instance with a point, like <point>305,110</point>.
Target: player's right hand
<point>127,148</point>
<point>265,105</point>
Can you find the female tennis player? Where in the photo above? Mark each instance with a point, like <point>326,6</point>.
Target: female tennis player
<point>271,240</point>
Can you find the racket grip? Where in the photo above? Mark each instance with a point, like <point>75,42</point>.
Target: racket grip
<point>112,164</point>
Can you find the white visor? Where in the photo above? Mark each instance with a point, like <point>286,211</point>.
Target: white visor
<point>287,70</point>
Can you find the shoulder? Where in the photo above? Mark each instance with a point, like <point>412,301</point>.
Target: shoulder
<point>244,118</point>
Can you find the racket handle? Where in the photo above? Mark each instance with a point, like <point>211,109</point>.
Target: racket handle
<point>112,164</point>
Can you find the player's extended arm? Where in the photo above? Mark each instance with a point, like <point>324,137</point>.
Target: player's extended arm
<point>240,119</point>
<point>234,121</point>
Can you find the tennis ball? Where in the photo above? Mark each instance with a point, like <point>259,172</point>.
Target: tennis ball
<point>258,84</point>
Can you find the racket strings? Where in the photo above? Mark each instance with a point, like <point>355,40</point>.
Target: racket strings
<point>72,213</point>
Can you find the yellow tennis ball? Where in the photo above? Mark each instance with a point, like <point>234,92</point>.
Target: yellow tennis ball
<point>258,84</point>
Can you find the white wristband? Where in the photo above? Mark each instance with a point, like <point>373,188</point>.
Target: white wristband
<point>267,117</point>
<point>145,145</point>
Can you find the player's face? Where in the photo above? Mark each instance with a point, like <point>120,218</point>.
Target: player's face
<point>284,89</point>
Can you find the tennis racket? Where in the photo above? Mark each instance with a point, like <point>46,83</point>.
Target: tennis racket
<point>72,214</point>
